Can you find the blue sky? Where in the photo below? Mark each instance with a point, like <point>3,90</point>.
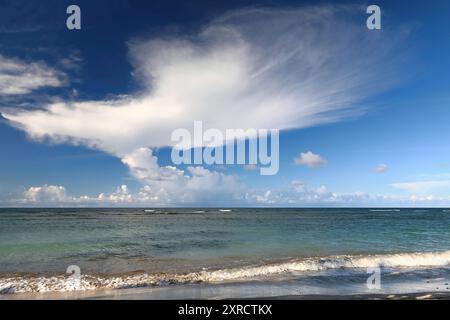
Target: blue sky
<point>385,94</point>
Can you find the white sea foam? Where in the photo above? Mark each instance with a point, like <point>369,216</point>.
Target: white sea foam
<point>88,282</point>
<point>403,260</point>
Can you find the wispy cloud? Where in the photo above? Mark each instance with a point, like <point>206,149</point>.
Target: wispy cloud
<point>18,77</point>
<point>276,68</point>
<point>381,168</point>
<point>425,187</point>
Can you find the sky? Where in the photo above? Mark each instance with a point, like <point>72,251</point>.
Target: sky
<point>87,115</point>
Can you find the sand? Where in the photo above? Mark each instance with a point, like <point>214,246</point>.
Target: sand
<point>214,292</point>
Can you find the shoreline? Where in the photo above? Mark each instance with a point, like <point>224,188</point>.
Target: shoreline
<point>260,290</point>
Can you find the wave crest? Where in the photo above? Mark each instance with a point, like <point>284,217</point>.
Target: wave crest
<point>90,282</point>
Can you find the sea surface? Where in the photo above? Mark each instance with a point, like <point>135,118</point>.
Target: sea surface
<point>326,251</point>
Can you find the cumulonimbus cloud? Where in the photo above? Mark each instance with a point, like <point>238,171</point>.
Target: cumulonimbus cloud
<point>275,68</point>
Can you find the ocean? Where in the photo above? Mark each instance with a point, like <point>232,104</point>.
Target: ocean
<point>246,252</point>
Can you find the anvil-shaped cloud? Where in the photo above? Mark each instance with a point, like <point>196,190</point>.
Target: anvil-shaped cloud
<point>252,68</point>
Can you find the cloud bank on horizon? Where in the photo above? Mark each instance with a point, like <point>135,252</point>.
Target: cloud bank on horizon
<point>283,69</point>
<point>227,195</point>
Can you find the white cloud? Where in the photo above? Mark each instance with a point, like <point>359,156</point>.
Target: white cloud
<point>121,195</point>
<point>310,159</point>
<point>144,166</point>
<point>275,68</point>
<point>46,193</point>
<point>200,186</point>
<point>381,168</point>
<point>18,77</point>
<point>170,185</point>
<point>425,187</point>
<point>302,194</point>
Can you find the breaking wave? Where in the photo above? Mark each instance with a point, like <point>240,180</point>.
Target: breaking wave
<point>21,284</point>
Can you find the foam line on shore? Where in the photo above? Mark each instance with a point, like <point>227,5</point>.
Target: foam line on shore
<point>60,283</point>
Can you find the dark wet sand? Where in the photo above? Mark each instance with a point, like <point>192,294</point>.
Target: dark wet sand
<point>406,296</point>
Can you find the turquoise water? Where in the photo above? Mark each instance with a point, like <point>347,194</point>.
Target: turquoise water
<point>178,240</point>
<point>311,251</point>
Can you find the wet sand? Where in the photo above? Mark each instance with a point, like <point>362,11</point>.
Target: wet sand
<point>101,295</point>
<point>216,292</point>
